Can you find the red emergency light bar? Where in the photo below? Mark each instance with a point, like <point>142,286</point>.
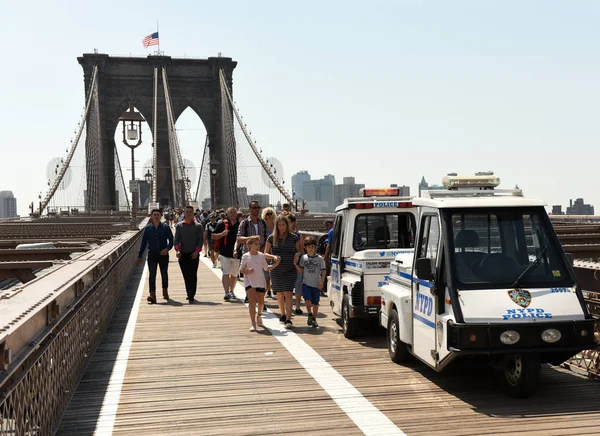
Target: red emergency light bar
<point>374,192</point>
<point>360,206</point>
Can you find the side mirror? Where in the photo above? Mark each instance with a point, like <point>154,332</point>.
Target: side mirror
<point>424,269</point>
<point>570,258</point>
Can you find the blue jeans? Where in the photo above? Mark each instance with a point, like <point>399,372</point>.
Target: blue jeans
<point>154,260</point>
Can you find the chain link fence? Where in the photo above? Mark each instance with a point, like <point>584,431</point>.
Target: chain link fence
<point>35,396</point>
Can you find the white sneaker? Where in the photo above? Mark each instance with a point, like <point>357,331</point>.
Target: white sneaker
<point>252,328</point>
<point>214,265</point>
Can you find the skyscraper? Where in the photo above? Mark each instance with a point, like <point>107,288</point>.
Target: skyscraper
<point>298,180</point>
<point>8,205</point>
<point>346,190</point>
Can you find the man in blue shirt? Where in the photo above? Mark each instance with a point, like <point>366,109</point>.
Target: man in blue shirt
<point>159,239</point>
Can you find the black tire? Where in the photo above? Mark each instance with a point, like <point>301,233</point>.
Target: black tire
<point>397,349</point>
<point>521,374</point>
<point>349,325</point>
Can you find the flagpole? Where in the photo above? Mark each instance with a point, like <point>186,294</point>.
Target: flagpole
<point>158,34</point>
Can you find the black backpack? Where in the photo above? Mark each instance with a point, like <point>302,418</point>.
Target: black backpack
<point>322,245</point>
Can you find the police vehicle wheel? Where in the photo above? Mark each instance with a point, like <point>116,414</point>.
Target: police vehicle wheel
<point>522,374</point>
<point>396,348</point>
<point>349,325</point>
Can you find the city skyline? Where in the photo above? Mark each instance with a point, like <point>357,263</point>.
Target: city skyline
<point>386,91</point>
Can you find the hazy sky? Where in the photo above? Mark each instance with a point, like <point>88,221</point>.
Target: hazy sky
<point>386,91</point>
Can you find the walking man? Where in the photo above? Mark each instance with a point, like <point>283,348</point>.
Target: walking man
<point>189,238</point>
<point>159,239</point>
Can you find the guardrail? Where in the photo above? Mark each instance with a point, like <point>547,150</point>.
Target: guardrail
<point>37,386</point>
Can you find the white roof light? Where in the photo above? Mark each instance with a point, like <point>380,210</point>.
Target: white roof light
<point>481,180</point>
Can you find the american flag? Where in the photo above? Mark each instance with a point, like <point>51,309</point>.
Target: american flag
<point>151,39</point>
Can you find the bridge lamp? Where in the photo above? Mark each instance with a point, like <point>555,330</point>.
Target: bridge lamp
<point>148,177</point>
<point>132,127</point>
<point>132,138</point>
<point>214,172</point>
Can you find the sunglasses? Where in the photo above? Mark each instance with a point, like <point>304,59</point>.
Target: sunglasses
<point>255,207</point>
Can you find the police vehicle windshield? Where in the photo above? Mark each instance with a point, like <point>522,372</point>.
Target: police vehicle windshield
<point>384,230</point>
<point>498,247</point>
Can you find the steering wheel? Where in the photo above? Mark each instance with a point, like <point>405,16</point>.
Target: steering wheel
<point>497,261</point>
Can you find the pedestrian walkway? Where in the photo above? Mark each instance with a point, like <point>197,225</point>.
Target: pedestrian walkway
<point>196,369</point>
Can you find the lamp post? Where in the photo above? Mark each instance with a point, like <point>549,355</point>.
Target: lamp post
<point>132,138</point>
<point>148,177</point>
<point>214,173</point>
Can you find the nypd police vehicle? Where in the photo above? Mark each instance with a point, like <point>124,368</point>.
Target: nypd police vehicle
<point>487,278</point>
<point>370,231</point>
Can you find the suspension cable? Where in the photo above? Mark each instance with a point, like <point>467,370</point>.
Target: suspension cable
<point>155,136</point>
<point>280,187</point>
<point>176,160</point>
<point>65,165</point>
<point>201,168</point>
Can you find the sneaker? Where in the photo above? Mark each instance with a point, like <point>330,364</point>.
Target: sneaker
<point>226,297</point>
<point>259,321</point>
<point>152,298</point>
<point>269,294</point>
<point>314,323</point>
<point>298,311</point>
<point>265,308</point>
<point>246,299</point>
<point>310,319</point>
<point>214,265</point>
<point>282,319</point>
<point>232,295</point>
<point>253,328</point>
<point>288,324</point>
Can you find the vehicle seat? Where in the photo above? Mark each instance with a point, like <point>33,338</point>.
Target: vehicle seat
<point>467,239</point>
<point>382,234</point>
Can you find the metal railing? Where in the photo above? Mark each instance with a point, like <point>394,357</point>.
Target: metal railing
<point>588,361</point>
<point>35,393</point>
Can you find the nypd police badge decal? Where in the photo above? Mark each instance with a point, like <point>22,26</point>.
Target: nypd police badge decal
<point>521,297</point>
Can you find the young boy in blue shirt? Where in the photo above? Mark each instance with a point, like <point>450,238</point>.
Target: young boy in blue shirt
<point>312,266</point>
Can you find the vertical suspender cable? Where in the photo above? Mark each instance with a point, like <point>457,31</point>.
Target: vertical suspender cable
<point>155,136</point>
<point>65,165</point>
<point>281,189</point>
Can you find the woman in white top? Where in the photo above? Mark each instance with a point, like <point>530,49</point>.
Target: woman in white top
<point>253,264</point>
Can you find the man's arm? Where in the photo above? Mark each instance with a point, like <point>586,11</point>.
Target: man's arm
<point>177,240</point>
<point>143,245</point>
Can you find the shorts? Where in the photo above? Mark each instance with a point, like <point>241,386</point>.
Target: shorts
<point>311,294</point>
<point>261,290</point>
<point>230,266</point>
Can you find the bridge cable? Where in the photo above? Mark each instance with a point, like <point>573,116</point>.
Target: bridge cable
<point>67,161</point>
<point>176,158</point>
<point>198,185</point>
<point>272,176</point>
<point>155,136</point>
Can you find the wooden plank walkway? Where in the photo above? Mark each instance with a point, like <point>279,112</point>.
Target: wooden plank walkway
<point>196,369</point>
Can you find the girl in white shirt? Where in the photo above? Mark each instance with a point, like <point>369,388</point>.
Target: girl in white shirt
<point>253,264</point>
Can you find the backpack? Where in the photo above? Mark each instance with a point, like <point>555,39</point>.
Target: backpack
<point>322,245</point>
<point>218,243</point>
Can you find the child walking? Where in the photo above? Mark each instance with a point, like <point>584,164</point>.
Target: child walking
<point>253,264</point>
<point>312,266</point>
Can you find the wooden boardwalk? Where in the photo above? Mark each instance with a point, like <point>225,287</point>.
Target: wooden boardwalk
<point>196,369</point>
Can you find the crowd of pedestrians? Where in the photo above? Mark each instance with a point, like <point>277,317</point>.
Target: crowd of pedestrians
<point>266,250</point>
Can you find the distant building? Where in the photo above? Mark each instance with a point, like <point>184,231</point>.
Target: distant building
<point>579,208</point>
<point>347,189</point>
<point>8,205</point>
<point>556,209</point>
<point>404,190</point>
<point>243,199</point>
<point>424,186</point>
<point>263,199</point>
<point>206,205</point>
<point>298,180</point>
<point>319,194</point>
